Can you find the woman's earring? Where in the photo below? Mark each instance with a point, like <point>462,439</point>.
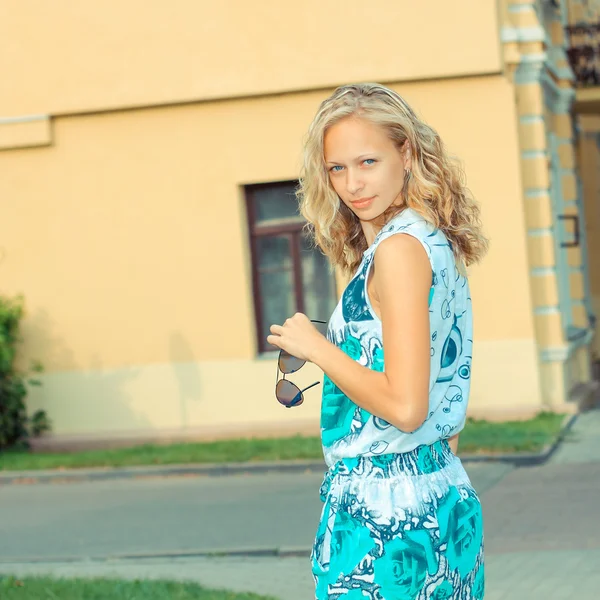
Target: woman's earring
<point>407,176</point>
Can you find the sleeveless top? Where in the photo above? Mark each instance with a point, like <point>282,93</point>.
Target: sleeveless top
<point>349,431</point>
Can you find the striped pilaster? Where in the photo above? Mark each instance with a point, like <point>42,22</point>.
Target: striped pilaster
<point>534,49</point>
<point>533,117</point>
<point>522,36</point>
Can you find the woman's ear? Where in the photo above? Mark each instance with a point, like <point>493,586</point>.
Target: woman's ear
<point>407,155</point>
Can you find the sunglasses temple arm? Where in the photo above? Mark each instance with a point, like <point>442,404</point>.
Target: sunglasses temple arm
<point>322,322</point>
<point>310,386</point>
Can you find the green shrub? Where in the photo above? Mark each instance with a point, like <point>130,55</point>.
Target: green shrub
<point>16,427</point>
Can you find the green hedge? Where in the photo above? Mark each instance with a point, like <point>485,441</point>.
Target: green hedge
<point>16,427</point>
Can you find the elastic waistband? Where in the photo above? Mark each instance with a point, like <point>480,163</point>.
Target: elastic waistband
<point>423,460</point>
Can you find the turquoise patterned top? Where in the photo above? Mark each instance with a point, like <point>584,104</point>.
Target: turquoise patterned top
<point>349,431</point>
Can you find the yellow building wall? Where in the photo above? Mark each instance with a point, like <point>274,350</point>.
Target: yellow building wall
<point>128,238</point>
<point>70,56</point>
<point>589,157</point>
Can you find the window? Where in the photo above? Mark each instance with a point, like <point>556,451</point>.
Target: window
<point>288,274</point>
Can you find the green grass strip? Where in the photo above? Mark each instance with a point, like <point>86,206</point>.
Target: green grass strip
<point>45,588</point>
<point>478,436</point>
<point>484,437</point>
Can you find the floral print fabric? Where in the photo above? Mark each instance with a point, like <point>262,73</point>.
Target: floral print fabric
<point>399,527</point>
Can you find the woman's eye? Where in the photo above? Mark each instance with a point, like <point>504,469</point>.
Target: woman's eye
<point>336,169</point>
<point>369,161</point>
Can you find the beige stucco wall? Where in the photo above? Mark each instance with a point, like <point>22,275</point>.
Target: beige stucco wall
<point>128,238</point>
<point>70,56</point>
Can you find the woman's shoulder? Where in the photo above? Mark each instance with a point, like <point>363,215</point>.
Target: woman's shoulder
<point>408,217</point>
<point>412,223</point>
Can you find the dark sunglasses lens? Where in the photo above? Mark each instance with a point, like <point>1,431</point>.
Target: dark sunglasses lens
<point>288,363</point>
<point>288,394</point>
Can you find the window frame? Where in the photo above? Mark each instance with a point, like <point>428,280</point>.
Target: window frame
<point>278,227</point>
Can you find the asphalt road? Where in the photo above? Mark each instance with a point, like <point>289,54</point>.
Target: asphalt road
<point>169,515</point>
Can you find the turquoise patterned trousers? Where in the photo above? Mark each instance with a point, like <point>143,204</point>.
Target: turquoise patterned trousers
<point>399,527</point>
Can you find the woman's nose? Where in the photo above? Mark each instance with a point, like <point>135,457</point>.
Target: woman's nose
<point>353,182</point>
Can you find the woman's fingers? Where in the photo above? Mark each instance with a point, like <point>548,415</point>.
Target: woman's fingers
<point>273,339</point>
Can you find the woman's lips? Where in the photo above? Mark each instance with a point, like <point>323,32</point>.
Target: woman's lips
<point>363,202</point>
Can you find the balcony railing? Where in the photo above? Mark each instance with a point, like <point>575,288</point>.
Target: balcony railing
<point>584,53</point>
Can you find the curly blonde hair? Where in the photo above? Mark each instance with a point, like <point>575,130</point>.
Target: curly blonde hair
<point>435,187</point>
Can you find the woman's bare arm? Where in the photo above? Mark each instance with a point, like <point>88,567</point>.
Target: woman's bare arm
<point>400,394</point>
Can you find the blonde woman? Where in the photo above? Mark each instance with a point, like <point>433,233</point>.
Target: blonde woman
<point>401,520</point>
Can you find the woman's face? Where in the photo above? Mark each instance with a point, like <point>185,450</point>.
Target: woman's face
<point>365,167</point>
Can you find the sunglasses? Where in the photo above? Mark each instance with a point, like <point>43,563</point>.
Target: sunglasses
<point>288,393</point>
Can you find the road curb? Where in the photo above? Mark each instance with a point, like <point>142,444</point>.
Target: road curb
<point>196,470</point>
<point>256,468</point>
<point>174,555</point>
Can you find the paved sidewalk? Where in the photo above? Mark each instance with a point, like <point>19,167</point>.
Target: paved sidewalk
<point>560,575</point>
<point>582,442</point>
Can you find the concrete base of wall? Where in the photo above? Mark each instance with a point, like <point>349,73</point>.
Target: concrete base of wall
<point>69,443</point>
<point>165,403</point>
<point>305,427</point>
